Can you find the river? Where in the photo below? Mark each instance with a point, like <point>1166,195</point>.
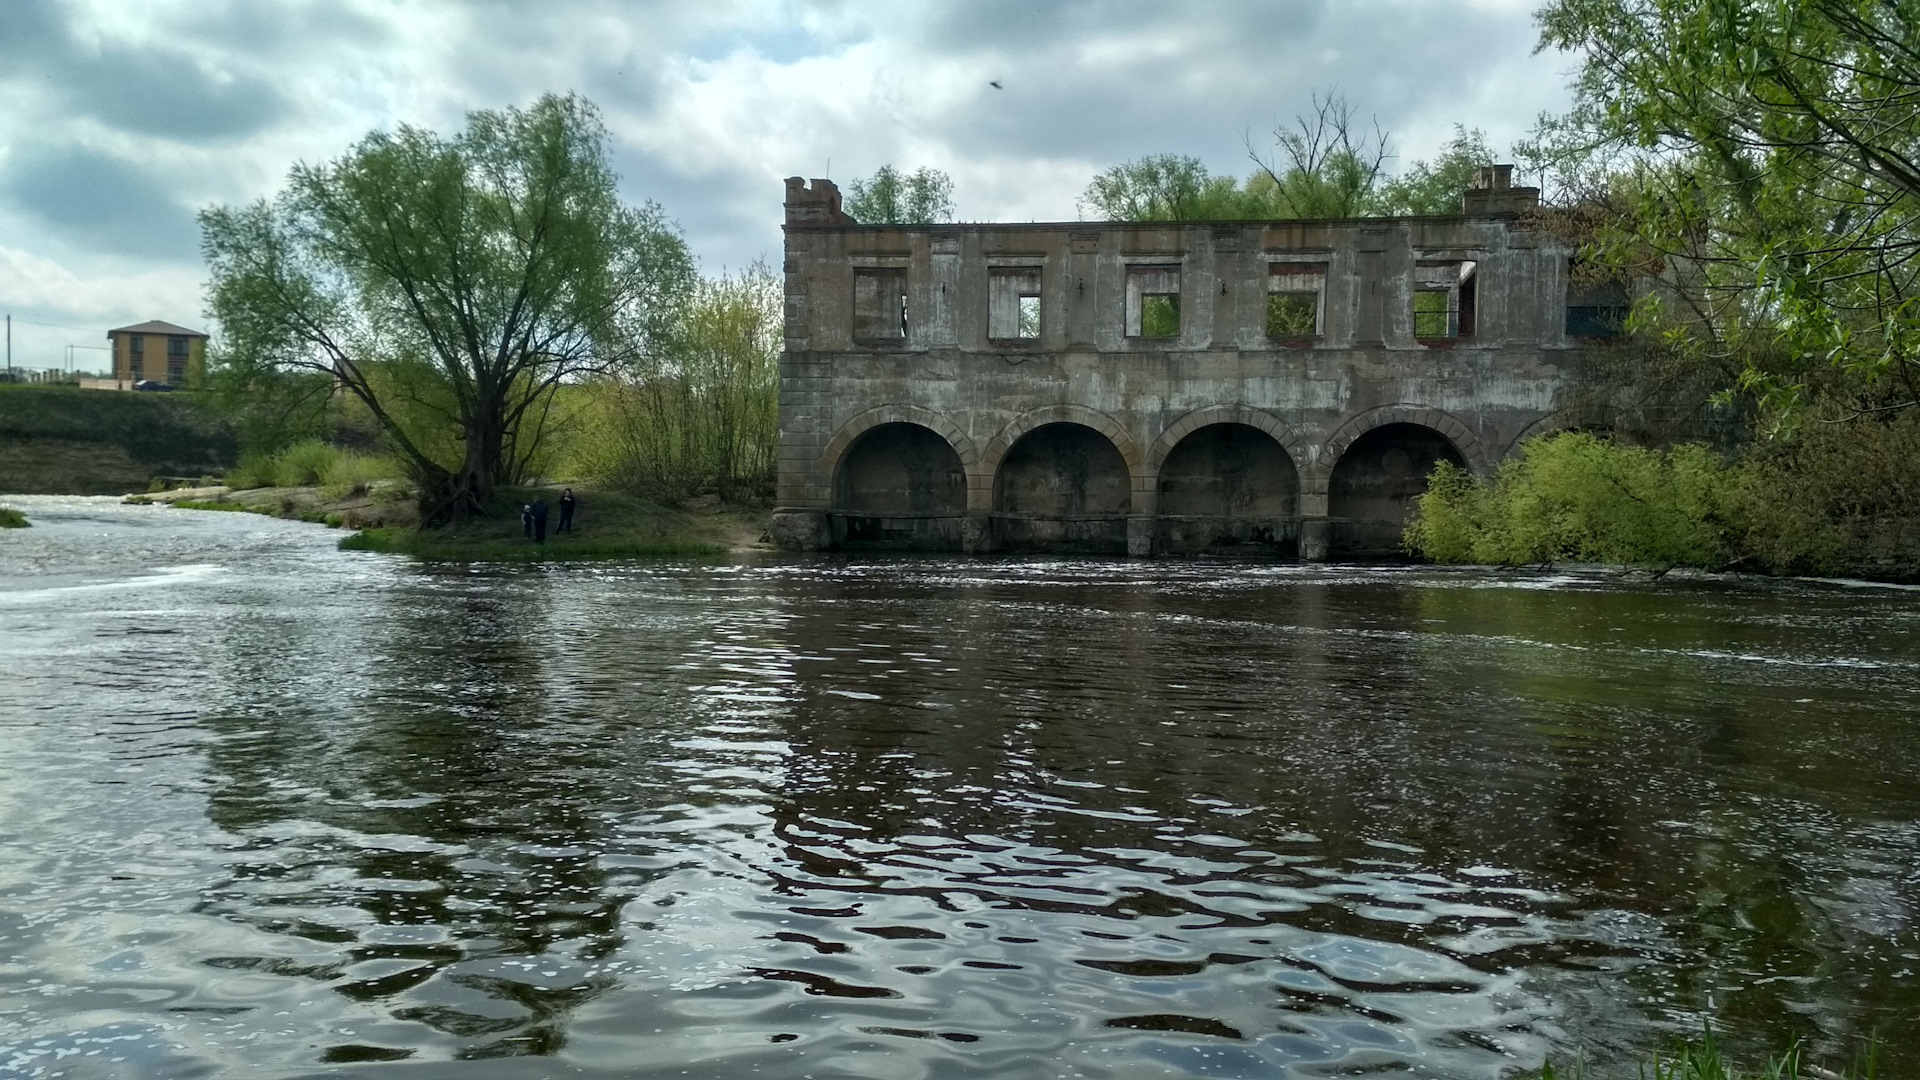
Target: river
<point>268,808</point>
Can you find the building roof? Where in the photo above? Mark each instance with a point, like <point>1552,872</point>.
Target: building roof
<point>155,326</point>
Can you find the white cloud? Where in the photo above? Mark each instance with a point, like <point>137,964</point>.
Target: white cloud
<point>711,104</point>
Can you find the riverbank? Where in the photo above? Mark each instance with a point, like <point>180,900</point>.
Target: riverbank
<point>609,525</point>
<point>64,440</point>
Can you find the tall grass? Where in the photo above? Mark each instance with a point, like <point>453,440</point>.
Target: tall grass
<point>12,519</point>
<point>1703,1060</point>
<point>312,463</point>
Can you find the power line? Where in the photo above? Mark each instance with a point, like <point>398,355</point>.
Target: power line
<point>61,326</point>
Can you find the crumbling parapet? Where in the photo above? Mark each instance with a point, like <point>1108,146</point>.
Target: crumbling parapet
<point>814,206</point>
<point>1492,193</point>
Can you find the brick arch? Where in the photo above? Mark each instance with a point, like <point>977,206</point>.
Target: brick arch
<point>1223,414</point>
<point>1459,434</point>
<point>1063,414</point>
<point>898,414</point>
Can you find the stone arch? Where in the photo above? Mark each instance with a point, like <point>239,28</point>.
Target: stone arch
<point>1226,480</point>
<point>1063,414</point>
<point>1579,419</point>
<point>897,414</point>
<point>1377,470</point>
<point>1062,478</point>
<point>1223,414</point>
<point>1460,435</point>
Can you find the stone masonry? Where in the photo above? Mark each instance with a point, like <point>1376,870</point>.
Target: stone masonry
<point>1279,388</point>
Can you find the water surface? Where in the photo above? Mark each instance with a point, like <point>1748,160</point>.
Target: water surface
<point>272,809</point>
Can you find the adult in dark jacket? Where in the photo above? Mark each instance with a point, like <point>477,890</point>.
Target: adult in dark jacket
<point>539,521</point>
<point>566,513</point>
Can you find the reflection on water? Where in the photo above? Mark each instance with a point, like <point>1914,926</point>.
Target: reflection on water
<point>268,807</point>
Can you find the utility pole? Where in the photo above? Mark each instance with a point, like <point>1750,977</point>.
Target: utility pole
<point>9,347</point>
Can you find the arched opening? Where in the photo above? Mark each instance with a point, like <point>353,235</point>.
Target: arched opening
<point>1229,487</point>
<point>1374,484</point>
<point>899,485</point>
<point>1062,487</point>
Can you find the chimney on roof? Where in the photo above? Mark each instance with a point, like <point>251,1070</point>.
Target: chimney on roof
<point>816,205</point>
<point>1492,194</point>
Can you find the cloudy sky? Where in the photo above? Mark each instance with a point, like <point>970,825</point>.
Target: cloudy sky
<point>119,118</point>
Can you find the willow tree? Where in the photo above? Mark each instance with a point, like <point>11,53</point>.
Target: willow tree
<point>451,285</point>
<point>1771,149</point>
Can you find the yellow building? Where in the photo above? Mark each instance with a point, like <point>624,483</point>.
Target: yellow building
<point>158,352</point>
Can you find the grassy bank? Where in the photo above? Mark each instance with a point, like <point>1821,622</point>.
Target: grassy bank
<point>62,440</point>
<point>607,526</point>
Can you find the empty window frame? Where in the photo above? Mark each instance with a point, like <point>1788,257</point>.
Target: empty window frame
<point>1153,301</point>
<point>1295,300</point>
<point>880,304</point>
<point>1443,299</point>
<point>1598,309</point>
<point>1013,303</point>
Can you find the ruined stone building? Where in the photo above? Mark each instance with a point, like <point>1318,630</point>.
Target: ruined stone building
<point>1281,387</point>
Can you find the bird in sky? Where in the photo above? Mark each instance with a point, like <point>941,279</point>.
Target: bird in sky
<point>995,83</point>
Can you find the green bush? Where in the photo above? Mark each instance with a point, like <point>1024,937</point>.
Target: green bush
<point>1577,497</point>
<point>1843,497</point>
<point>12,519</point>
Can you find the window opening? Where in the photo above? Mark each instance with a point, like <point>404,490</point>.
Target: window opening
<point>880,304</point>
<point>1153,301</point>
<point>1597,310</point>
<point>1294,292</point>
<point>1443,300</point>
<point>1013,304</point>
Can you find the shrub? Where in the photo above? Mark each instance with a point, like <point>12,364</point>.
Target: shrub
<point>1578,497</point>
<point>12,519</point>
<point>1842,498</point>
<point>313,464</point>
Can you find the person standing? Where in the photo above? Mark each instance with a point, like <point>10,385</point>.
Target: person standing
<point>526,520</point>
<point>539,521</point>
<point>566,514</point>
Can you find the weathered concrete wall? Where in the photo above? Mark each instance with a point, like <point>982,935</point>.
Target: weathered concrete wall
<point>1146,465</point>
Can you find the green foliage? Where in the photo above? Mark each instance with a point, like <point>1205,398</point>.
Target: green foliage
<point>703,414</point>
<point>1577,497</point>
<point>312,463</point>
<point>891,197</point>
<point>1160,316</point>
<point>12,519</point>
<point>1841,497</point>
<point>1435,187</point>
<point>450,285</point>
<point>1169,187</point>
<point>1760,160</point>
<point>1322,167</point>
<point>1292,315</point>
